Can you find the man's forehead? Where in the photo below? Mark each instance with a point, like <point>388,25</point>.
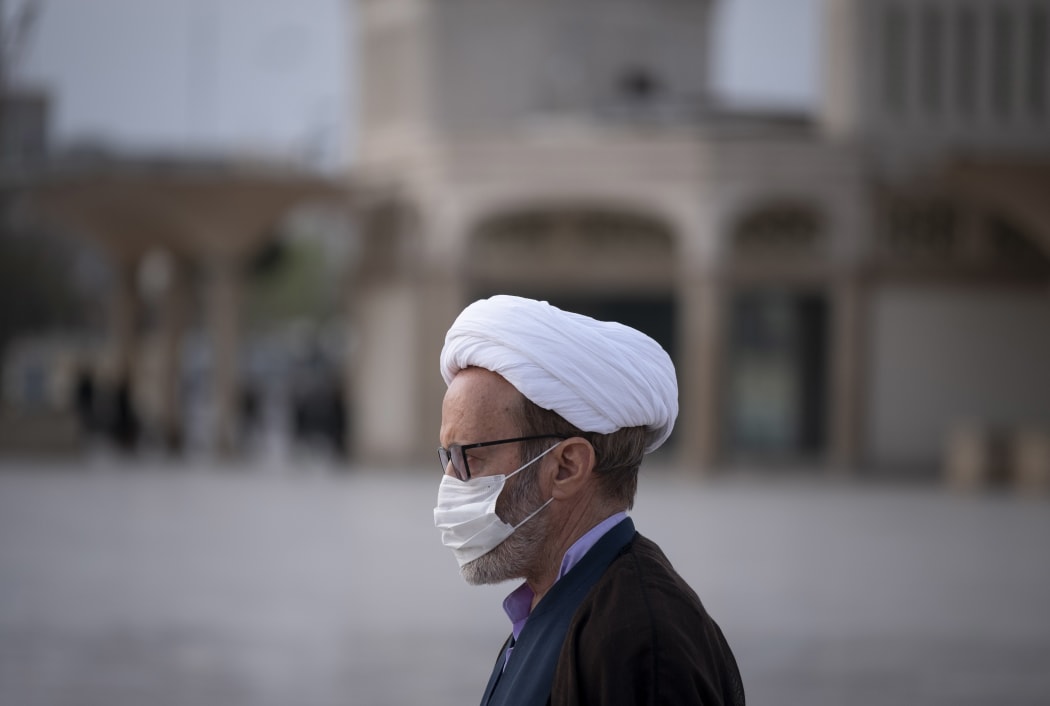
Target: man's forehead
<point>479,400</point>
<point>482,382</point>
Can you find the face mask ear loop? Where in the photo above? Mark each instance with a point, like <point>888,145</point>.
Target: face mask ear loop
<point>534,513</point>
<point>549,501</point>
<point>514,473</point>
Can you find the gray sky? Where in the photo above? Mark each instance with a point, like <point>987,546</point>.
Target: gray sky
<point>275,76</point>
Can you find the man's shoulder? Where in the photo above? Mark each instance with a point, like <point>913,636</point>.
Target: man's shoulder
<point>642,578</point>
<point>643,632</point>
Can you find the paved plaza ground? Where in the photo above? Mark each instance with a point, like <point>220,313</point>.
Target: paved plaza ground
<point>170,584</point>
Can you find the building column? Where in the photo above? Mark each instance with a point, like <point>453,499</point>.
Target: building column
<point>119,392</point>
<point>847,373</point>
<point>174,310</point>
<point>384,380</point>
<point>700,321</point>
<point>124,310</point>
<point>224,304</point>
<point>441,297</point>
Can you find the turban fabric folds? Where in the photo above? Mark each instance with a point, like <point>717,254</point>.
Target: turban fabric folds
<point>599,375</point>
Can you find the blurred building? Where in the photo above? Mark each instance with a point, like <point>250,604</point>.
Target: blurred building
<point>180,236</point>
<point>851,287</point>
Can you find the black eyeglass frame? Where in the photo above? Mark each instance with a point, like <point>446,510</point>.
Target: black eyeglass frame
<point>448,455</point>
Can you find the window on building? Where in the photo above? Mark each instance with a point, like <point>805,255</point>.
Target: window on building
<point>529,236</point>
<point>920,231</point>
<point>1009,245</point>
<point>1002,74</point>
<point>942,236</point>
<point>895,60</point>
<point>778,232</point>
<point>776,382</point>
<point>1038,60</point>
<point>967,60</point>
<point>932,60</point>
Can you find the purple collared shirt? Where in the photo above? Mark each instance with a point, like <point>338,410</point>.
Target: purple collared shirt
<point>518,605</point>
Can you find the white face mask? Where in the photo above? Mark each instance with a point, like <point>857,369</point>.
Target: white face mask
<point>466,513</point>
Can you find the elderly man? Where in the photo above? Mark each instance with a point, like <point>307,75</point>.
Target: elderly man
<point>543,428</point>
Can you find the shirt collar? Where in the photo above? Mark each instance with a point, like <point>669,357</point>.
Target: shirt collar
<point>518,605</point>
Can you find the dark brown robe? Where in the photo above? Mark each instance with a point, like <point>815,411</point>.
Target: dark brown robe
<point>621,627</point>
<point>642,636</point>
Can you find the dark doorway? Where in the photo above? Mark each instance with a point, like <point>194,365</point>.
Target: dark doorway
<point>776,387</point>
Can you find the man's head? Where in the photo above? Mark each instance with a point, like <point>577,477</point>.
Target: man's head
<point>592,397</point>
<point>600,376</point>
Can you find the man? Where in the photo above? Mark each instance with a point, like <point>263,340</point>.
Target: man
<point>543,428</point>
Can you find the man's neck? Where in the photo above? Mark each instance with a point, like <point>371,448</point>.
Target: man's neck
<point>540,581</point>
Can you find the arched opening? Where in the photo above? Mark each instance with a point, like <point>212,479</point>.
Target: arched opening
<point>776,390</point>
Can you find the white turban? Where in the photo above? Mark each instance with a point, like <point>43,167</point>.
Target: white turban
<point>599,375</point>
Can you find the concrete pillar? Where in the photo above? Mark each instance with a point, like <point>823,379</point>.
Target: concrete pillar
<point>124,311</point>
<point>983,78</point>
<point>843,98</point>
<point>223,311</point>
<point>441,298</point>
<point>174,309</point>
<point>404,298</point>
<point>121,417</point>
<point>1030,460</point>
<point>974,457</point>
<point>699,371</point>
<point>396,387</point>
<point>847,373</point>
<point>384,373</point>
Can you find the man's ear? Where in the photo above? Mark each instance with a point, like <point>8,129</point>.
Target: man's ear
<point>575,459</point>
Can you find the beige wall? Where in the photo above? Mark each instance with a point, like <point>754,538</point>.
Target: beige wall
<point>941,355</point>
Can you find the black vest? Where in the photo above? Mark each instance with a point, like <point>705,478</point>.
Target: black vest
<point>527,679</point>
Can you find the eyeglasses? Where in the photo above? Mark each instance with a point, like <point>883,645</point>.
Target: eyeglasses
<point>455,453</point>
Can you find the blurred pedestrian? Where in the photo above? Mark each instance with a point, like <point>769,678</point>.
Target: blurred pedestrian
<point>84,399</point>
<point>543,428</point>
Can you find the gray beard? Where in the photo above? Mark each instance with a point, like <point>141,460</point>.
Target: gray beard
<point>512,558</point>
<point>521,551</point>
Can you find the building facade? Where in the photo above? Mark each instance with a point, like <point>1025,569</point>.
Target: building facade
<point>843,289</point>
